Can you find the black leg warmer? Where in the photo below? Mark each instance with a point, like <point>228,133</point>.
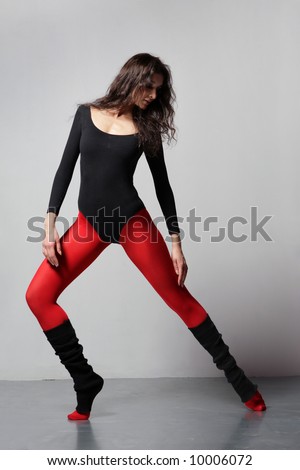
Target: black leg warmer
<point>86,382</point>
<point>211,340</point>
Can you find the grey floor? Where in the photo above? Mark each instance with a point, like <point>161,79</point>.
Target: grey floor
<point>164,413</point>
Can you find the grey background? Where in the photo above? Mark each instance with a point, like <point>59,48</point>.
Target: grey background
<point>235,67</point>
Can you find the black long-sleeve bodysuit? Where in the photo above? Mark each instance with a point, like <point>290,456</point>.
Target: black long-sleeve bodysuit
<point>107,165</point>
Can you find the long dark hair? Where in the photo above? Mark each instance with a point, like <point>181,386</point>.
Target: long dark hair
<point>156,122</point>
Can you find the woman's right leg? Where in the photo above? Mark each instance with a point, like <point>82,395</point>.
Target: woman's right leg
<point>80,245</point>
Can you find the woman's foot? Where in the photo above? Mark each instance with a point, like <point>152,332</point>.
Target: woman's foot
<point>75,416</point>
<point>211,340</point>
<point>256,403</point>
<point>85,398</point>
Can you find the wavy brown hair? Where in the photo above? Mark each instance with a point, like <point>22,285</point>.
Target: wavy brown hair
<point>154,123</point>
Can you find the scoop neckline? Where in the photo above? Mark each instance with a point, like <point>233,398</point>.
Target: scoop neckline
<point>107,133</point>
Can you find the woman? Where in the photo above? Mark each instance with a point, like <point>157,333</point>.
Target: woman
<point>111,133</point>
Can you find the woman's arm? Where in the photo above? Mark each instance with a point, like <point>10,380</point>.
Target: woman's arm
<point>66,167</point>
<point>163,190</point>
<point>166,200</point>
<point>60,185</point>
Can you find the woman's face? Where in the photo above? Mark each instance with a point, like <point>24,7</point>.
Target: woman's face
<point>149,93</point>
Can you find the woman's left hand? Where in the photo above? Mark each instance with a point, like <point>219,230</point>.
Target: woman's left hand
<point>179,263</point>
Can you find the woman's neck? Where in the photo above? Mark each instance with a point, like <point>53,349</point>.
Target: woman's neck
<point>118,112</point>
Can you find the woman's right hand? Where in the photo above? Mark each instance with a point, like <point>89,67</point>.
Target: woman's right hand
<point>51,240</point>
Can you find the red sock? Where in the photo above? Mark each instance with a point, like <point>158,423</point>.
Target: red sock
<point>256,403</point>
<point>75,416</point>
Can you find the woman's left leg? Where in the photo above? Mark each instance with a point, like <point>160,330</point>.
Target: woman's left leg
<point>145,246</point>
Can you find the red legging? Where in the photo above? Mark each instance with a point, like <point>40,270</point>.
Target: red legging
<point>81,244</point>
